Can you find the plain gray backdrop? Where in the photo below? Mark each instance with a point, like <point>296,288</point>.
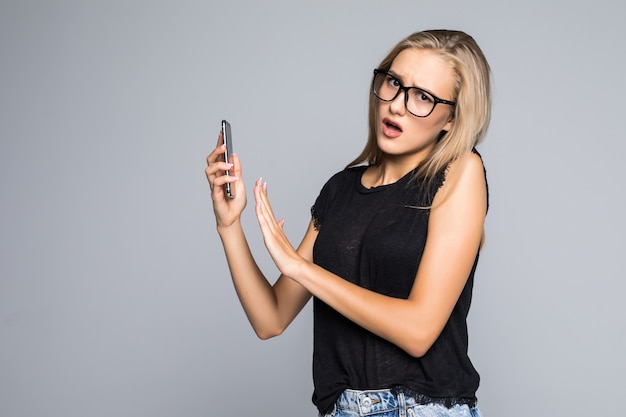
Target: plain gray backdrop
<point>115,298</point>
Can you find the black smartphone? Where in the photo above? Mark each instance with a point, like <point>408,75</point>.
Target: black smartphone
<point>228,141</point>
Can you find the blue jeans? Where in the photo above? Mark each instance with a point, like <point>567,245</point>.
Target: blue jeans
<point>385,403</point>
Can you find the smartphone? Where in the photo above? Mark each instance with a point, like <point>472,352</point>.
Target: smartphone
<point>228,141</point>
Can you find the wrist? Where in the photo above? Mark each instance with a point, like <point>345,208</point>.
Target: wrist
<point>225,229</point>
<point>300,271</point>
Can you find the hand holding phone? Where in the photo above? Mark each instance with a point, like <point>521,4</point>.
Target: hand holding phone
<point>228,141</point>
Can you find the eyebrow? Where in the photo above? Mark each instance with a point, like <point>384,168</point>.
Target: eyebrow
<point>399,78</point>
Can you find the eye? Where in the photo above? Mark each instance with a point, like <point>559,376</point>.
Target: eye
<point>421,96</point>
<point>392,82</point>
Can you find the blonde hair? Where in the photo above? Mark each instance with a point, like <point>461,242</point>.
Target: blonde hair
<point>472,93</point>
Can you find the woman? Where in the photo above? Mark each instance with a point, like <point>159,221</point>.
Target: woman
<point>390,253</point>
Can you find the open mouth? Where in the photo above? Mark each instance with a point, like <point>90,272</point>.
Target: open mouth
<point>391,126</point>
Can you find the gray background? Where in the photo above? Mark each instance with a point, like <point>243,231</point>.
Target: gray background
<point>114,293</point>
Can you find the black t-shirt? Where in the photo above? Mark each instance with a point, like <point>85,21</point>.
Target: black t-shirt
<point>375,238</point>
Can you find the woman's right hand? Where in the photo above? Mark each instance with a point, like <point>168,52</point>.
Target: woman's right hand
<point>227,210</point>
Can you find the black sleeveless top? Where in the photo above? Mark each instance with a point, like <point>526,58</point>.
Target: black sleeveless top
<point>375,238</point>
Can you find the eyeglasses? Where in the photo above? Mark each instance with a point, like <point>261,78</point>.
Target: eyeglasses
<point>418,102</point>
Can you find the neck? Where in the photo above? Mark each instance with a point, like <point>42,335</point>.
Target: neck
<point>386,173</point>
<point>394,167</point>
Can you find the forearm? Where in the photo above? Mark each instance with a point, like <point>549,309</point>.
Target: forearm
<point>400,321</point>
<point>256,294</point>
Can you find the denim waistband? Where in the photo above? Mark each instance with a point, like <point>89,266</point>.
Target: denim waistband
<point>372,402</point>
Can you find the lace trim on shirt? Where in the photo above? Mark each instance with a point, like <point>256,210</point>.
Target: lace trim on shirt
<point>447,402</point>
<point>317,223</point>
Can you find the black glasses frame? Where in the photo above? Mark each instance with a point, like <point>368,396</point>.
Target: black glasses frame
<point>436,100</point>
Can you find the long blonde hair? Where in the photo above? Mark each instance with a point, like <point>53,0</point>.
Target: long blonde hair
<point>472,93</point>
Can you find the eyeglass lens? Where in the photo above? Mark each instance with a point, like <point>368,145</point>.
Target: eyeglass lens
<point>418,102</point>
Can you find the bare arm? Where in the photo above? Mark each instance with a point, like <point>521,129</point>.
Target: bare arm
<point>269,308</point>
<point>455,232</point>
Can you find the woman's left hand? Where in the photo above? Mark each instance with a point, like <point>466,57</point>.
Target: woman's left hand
<point>280,249</point>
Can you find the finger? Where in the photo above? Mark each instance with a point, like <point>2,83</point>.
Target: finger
<point>235,172</point>
<point>215,177</point>
<point>220,148</point>
<point>216,156</point>
<point>215,160</point>
<point>263,197</point>
<point>215,174</point>
<point>219,169</point>
<point>218,181</point>
<point>236,165</point>
<point>263,211</point>
<point>260,194</point>
<point>265,214</point>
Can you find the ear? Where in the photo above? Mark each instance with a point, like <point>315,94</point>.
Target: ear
<point>448,124</point>
<point>446,128</point>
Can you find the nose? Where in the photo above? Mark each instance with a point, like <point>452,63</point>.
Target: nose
<point>398,104</point>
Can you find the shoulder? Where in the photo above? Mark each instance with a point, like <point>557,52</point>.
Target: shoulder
<point>471,162</point>
<point>465,180</point>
